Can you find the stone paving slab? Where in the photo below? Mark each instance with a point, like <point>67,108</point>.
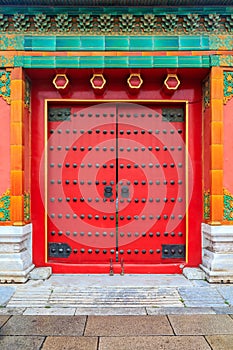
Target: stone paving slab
<point>6,293</point>
<point>127,325</point>
<point>30,297</point>
<point>44,325</point>
<point>117,311</point>
<point>21,343</point>
<point>70,343</point>
<point>112,296</point>
<point>227,293</point>
<point>199,297</point>
<point>201,324</point>
<point>11,311</point>
<point>200,283</point>
<point>128,280</point>
<point>220,342</point>
<point>179,311</point>
<point>223,310</point>
<point>154,343</point>
<point>3,320</point>
<point>50,311</point>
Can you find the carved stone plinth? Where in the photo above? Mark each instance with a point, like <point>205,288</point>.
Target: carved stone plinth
<point>217,260</point>
<point>15,253</point>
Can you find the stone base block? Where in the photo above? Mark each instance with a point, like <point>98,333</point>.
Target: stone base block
<point>217,261</point>
<point>193,273</point>
<point>40,273</point>
<point>15,276</point>
<point>15,253</point>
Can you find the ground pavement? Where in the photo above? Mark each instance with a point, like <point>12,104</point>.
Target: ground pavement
<point>99,312</point>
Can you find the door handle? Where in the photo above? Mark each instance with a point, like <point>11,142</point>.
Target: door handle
<point>108,191</point>
<point>124,192</point>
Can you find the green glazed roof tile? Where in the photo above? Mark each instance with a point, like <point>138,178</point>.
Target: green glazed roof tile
<point>139,42</point>
<point>140,62</point>
<point>68,43</point>
<point>92,43</point>
<point>44,43</point>
<point>116,62</point>
<point>92,61</point>
<point>117,43</point>
<point>166,43</point>
<point>111,3</point>
<point>113,62</point>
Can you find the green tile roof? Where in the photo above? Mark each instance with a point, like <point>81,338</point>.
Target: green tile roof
<point>117,2</point>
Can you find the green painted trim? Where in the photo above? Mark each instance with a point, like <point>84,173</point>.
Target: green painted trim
<point>112,62</point>
<point>136,10</point>
<point>116,43</point>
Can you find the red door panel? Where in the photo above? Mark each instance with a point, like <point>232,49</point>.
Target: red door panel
<point>81,183</point>
<point>151,191</point>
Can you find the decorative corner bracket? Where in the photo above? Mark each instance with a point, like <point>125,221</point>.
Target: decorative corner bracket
<point>135,81</point>
<point>98,81</point>
<point>171,83</point>
<point>60,81</point>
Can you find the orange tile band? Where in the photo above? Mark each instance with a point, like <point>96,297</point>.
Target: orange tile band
<point>216,146</point>
<point>17,147</point>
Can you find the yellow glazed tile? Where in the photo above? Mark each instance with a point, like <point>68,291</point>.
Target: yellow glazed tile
<point>17,208</point>
<point>17,157</point>
<point>17,182</point>
<point>217,72</point>
<point>216,88</point>
<point>17,133</point>
<point>216,177</point>
<point>217,110</point>
<point>216,157</point>
<point>17,89</point>
<point>216,207</point>
<point>17,111</point>
<point>216,132</point>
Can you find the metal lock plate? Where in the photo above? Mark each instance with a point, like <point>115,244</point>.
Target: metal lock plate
<point>108,192</point>
<point>124,192</point>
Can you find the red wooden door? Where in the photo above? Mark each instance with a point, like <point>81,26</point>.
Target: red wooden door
<point>82,183</point>
<point>116,184</point>
<point>151,177</point>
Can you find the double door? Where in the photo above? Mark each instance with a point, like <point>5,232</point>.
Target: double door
<point>116,183</point>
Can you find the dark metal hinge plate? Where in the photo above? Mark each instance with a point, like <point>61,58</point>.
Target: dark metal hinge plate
<point>172,115</point>
<point>59,114</point>
<point>173,251</point>
<point>59,250</point>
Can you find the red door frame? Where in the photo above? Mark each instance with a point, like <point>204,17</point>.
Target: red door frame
<point>193,256</point>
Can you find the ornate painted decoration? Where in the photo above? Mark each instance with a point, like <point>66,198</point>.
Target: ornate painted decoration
<point>5,90</point>
<point>171,82</point>
<point>5,206</point>
<point>228,205</point>
<point>206,93</point>
<point>98,81</point>
<point>27,210</point>
<point>228,86</point>
<point>207,205</point>
<point>60,81</point>
<point>27,94</point>
<point>118,23</point>
<point>135,81</point>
